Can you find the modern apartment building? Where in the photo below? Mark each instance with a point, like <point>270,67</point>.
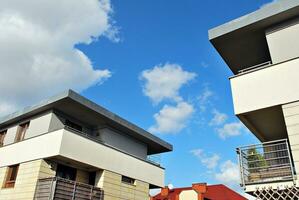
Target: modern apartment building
<point>262,51</point>
<point>68,147</point>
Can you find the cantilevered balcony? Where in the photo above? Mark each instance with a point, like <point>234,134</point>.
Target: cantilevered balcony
<point>265,163</point>
<point>80,147</point>
<point>59,188</point>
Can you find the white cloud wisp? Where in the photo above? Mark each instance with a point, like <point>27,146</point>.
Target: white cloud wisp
<point>164,82</point>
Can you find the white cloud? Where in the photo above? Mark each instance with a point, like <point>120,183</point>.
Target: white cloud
<point>204,64</point>
<point>230,130</point>
<point>209,161</point>
<point>38,54</point>
<point>164,82</point>
<point>204,98</point>
<point>229,174</point>
<point>172,119</point>
<point>218,119</point>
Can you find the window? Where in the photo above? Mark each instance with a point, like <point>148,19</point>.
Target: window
<point>11,176</point>
<point>66,172</point>
<point>2,135</point>
<point>92,178</point>
<point>128,180</point>
<point>21,132</point>
<point>73,125</point>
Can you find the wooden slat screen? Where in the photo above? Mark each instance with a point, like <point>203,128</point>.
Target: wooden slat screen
<point>61,189</point>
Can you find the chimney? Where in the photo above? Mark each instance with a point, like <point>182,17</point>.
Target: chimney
<point>165,191</point>
<point>200,188</point>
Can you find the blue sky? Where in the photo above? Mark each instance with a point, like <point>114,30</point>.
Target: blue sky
<point>148,61</point>
<point>159,32</point>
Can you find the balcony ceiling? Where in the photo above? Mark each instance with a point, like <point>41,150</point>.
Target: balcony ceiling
<point>266,124</point>
<point>242,42</point>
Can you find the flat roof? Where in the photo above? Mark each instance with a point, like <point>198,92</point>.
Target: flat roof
<point>77,106</point>
<point>242,42</point>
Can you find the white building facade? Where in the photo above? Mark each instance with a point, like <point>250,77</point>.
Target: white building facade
<point>262,50</point>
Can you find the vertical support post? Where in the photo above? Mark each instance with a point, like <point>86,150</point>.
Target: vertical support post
<point>290,161</point>
<point>90,195</point>
<point>74,191</point>
<point>241,166</point>
<point>53,188</point>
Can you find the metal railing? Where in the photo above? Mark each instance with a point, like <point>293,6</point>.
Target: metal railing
<point>155,159</point>
<point>59,188</point>
<point>261,65</point>
<point>152,159</point>
<point>265,162</point>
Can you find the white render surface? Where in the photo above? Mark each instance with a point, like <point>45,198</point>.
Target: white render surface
<point>38,125</point>
<point>291,115</point>
<point>123,142</point>
<point>283,41</point>
<point>78,148</point>
<point>271,86</point>
<point>279,185</point>
<point>188,195</point>
<point>43,146</point>
<point>69,145</point>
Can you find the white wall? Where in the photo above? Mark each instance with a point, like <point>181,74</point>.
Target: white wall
<point>123,142</point>
<point>283,41</point>
<point>291,115</point>
<point>86,151</point>
<point>69,145</point>
<point>188,195</point>
<point>44,146</point>
<point>38,125</point>
<point>10,135</point>
<point>274,85</point>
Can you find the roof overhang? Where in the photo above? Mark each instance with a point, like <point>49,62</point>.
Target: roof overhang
<point>90,113</point>
<point>242,42</point>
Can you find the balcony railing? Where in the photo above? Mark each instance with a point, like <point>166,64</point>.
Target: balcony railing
<point>154,159</point>
<point>266,162</point>
<point>59,188</point>
<point>258,66</point>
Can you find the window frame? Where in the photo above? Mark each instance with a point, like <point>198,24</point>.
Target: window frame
<point>2,136</point>
<point>11,176</point>
<point>128,180</point>
<point>21,131</point>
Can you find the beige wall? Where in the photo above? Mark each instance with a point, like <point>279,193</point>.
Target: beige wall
<point>283,41</point>
<point>291,115</point>
<point>114,189</point>
<point>275,85</point>
<point>188,195</point>
<point>27,177</point>
<point>69,145</point>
